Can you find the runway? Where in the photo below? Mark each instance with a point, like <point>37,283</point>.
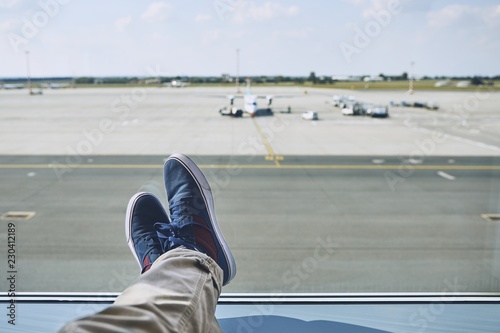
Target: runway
<point>311,224</point>
<point>343,204</point>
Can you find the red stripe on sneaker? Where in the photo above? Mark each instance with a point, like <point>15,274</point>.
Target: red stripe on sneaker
<point>205,238</point>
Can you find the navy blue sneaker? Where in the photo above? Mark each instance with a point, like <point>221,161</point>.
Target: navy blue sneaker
<point>194,225</point>
<point>143,211</point>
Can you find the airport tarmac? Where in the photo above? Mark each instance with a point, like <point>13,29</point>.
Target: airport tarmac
<point>343,204</point>
<point>158,121</point>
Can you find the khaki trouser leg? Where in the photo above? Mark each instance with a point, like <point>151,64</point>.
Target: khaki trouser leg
<point>178,294</point>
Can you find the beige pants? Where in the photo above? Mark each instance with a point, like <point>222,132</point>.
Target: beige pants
<point>178,294</point>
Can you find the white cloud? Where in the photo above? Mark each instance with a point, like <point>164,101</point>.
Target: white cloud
<point>377,6</point>
<point>157,11</point>
<point>370,7</point>
<point>203,18</point>
<point>464,15</point>
<point>122,23</point>
<point>355,2</point>
<point>449,15</point>
<point>266,11</point>
<point>492,17</point>
<point>292,11</point>
<point>8,26</point>
<point>9,3</point>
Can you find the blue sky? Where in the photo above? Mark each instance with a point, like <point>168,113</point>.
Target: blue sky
<point>275,37</point>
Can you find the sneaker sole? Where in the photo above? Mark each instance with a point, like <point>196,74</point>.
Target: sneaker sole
<point>206,192</point>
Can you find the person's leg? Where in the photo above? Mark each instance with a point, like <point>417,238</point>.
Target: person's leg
<point>178,294</point>
<point>180,291</point>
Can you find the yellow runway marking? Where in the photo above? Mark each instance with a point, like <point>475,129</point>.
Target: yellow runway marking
<point>257,166</point>
<point>271,155</point>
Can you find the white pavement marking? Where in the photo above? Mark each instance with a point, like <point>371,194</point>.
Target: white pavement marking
<point>413,161</point>
<point>445,175</point>
<point>463,140</point>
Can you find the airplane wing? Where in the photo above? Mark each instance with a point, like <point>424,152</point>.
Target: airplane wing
<point>231,98</point>
<point>269,98</point>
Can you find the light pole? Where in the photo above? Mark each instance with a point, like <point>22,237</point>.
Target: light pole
<point>412,74</point>
<point>238,71</point>
<point>28,71</point>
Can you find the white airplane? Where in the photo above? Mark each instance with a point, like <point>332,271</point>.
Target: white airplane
<point>13,86</point>
<point>52,85</point>
<point>176,84</point>
<point>59,85</point>
<point>250,105</point>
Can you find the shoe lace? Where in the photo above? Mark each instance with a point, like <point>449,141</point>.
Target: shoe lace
<point>150,242</point>
<point>182,210</point>
<point>179,232</point>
